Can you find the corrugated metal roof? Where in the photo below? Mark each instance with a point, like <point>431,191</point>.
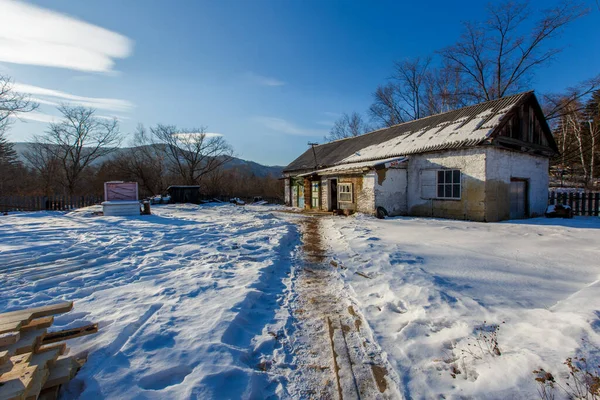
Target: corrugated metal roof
<point>465,127</point>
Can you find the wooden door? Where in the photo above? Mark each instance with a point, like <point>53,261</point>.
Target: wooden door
<point>518,199</point>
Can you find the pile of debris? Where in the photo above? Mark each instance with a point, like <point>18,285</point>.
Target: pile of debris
<point>33,361</point>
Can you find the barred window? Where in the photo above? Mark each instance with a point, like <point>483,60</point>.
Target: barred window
<point>345,192</point>
<point>448,184</point>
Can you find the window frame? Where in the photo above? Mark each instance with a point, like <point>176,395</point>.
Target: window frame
<point>451,184</point>
<point>340,192</point>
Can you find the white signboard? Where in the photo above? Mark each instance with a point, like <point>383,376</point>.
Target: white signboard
<point>120,191</point>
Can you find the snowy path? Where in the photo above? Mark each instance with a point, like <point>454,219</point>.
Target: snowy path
<point>335,354</point>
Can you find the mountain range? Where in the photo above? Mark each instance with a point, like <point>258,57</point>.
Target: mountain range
<point>235,163</point>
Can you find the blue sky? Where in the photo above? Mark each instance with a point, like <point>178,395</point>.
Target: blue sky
<point>268,75</point>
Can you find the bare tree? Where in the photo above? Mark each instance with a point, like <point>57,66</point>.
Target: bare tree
<point>348,125</point>
<point>192,154</point>
<point>145,161</point>
<point>386,109</point>
<point>496,58</point>
<point>417,90</point>
<point>46,165</point>
<point>12,103</point>
<point>77,141</point>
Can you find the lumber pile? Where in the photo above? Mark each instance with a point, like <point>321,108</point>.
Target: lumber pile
<point>33,361</point>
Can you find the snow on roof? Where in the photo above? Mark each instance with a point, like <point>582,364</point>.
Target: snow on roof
<point>465,127</point>
<point>357,166</point>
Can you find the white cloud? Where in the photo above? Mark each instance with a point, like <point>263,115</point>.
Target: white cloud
<point>264,80</point>
<point>283,126</point>
<point>37,36</point>
<point>36,116</point>
<point>55,97</point>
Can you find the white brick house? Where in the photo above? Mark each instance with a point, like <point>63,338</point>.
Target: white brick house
<point>487,162</point>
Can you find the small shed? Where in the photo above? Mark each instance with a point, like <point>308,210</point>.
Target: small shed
<point>184,194</point>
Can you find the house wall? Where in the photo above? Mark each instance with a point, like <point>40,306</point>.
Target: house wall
<point>501,166</point>
<point>362,192</point>
<point>324,206</point>
<point>471,205</point>
<point>390,187</point>
<point>287,192</point>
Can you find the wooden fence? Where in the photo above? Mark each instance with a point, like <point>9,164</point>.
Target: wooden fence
<point>581,203</point>
<point>54,203</point>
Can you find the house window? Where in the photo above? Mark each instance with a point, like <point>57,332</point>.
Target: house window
<point>345,192</point>
<point>315,194</point>
<point>448,184</point>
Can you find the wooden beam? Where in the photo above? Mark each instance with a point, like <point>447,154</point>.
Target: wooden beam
<point>43,361</point>
<point>63,370</point>
<point>10,327</point>
<point>6,339</point>
<point>28,314</point>
<point>44,322</point>
<point>67,334</point>
<point>15,383</point>
<point>29,342</point>
<point>3,357</point>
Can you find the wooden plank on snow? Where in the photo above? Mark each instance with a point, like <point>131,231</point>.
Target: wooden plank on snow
<point>63,370</point>
<point>58,336</point>
<point>3,357</point>
<point>15,383</point>
<point>44,322</point>
<point>44,361</point>
<point>62,348</point>
<point>10,327</point>
<point>29,342</point>
<point>6,339</point>
<point>27,315</point>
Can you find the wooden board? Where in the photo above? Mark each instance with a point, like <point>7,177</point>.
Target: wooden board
<point>63,370</point>
<point>3,356</point>
<point>44,361</point>
<point>15,383</point>
<point>6,339</point>
<point>44,322</point>
<point>25,316</point>
<point>28,342</point>
<point>53,337</point>
<point>62,348</point>
<point>10,327</point>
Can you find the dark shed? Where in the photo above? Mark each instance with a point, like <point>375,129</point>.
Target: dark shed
<point>184,194</point>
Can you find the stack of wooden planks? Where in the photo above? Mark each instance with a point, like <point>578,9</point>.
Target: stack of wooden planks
<point>34,362</point>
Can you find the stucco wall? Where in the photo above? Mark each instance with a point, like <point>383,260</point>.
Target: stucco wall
<point>471,205</point>
<point>365,198</point>
<point>324,194</point>
<point>501,166</point>
<point>390,190</point>
<point>287,192</point>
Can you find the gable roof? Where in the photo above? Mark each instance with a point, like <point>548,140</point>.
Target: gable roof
<point>465,127</point>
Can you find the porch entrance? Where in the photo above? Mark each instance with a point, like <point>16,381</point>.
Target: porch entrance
<point>519,207</point>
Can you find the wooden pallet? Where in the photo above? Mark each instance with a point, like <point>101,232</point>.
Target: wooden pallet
<point>33,364</point>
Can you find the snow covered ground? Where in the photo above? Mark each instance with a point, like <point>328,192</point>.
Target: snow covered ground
<point>214,302</point>
<point>184,298</point>
<point>434,282</point>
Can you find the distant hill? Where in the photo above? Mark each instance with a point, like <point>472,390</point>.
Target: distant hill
<point>237,163</point>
